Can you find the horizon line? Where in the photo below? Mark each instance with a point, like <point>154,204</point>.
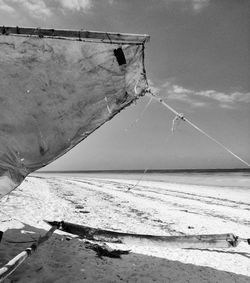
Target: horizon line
<point>142,170</point>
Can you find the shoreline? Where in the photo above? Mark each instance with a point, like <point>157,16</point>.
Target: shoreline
<point>224,180</point>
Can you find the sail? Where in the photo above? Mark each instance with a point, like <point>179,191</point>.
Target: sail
<point>56,88</point>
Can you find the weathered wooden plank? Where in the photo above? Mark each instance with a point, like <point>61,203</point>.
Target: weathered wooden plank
<point>187,241</point>
<point>79,34</point>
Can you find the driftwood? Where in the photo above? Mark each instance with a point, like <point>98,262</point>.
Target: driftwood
<point>108,37</point>
<point>104,250</point>
<point>188,241</point>
<point>11,266</point>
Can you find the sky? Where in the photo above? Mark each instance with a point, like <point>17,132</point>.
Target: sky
<point>198,60</point>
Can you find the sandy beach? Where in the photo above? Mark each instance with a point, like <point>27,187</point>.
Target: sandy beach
<point>152,207</point>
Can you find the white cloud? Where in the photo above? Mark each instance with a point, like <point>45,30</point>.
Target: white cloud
<point>242,97</point>
<point>195,5</point>
<point>198,5</point>
<point>225,98</point>
<point>219,96</point>
<point>35,8</point>
<point>179,89</point>
<point>5,7</point>
<point>176,92</point>
<point>202,98</point>
<point>77,5</point>
<point>43,8</point>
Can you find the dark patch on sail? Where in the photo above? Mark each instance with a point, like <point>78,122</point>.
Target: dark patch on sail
<point>41,150</point>
<point>120,57</point>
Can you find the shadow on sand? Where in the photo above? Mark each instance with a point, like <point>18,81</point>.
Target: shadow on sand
<point>62,261</point>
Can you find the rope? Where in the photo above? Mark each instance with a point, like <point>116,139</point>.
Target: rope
<point>136,184</point>
<point>180,116</point>
<point>176,121</point>
<point>140,115</point>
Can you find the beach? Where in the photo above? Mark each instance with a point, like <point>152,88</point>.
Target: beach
<point>173,205</point>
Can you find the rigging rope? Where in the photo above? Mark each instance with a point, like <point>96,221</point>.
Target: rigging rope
<point>137,183</point>
<point>140,115</point>
<point>176,121</point>
<point>180,116</point>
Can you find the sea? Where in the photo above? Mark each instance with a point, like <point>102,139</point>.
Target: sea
<point>237,178</point>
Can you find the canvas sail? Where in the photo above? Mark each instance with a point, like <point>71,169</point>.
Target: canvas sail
<point>56,88</point>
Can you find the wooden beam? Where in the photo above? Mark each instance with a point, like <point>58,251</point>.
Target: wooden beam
<point>187,241</point>
<point>108,37</point>
<point>12,265</point>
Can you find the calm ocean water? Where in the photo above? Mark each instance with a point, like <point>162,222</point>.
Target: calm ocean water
<point>238,178</point>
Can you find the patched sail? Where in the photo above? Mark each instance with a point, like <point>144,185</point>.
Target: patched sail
<point>56,88</point>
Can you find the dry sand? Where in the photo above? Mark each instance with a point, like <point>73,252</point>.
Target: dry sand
<point>151,208</point>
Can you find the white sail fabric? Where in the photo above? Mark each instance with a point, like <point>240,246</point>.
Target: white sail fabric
<point>54,92</point>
